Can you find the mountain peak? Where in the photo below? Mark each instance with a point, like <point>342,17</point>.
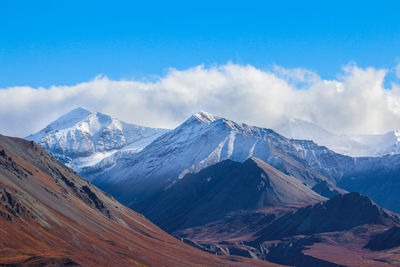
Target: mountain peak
<point>206,117</point>
<point>73,116</point>
<point>79,110</point>
<point>65,121</point>
<point>81,138</point>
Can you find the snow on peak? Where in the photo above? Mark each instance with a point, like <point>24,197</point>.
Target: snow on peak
<point>72,117</point>
<point>65,121</point>
<point>206,117</point>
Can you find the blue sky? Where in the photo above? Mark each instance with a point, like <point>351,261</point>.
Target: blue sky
<point>67,42</point>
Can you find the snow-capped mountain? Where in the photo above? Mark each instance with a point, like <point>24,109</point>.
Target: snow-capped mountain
<point>82,138</point>
<point>201,141</point>
<point>351,145</point>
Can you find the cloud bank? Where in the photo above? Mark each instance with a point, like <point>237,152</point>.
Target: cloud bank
<point>355,102</point>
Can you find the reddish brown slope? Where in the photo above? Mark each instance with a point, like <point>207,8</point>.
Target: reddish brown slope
<point>49,214</point>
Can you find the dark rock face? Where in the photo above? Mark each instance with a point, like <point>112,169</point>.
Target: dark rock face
<point>12,205</point>
<point>9,163</point>
<point>386,240</point>
<point>93,199</point>
<point>92,196</point>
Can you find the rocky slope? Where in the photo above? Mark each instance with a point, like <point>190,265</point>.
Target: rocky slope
<point>50,216</point>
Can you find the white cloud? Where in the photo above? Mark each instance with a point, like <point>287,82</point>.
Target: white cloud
<point>355,102</point>
<point>397,71</point>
